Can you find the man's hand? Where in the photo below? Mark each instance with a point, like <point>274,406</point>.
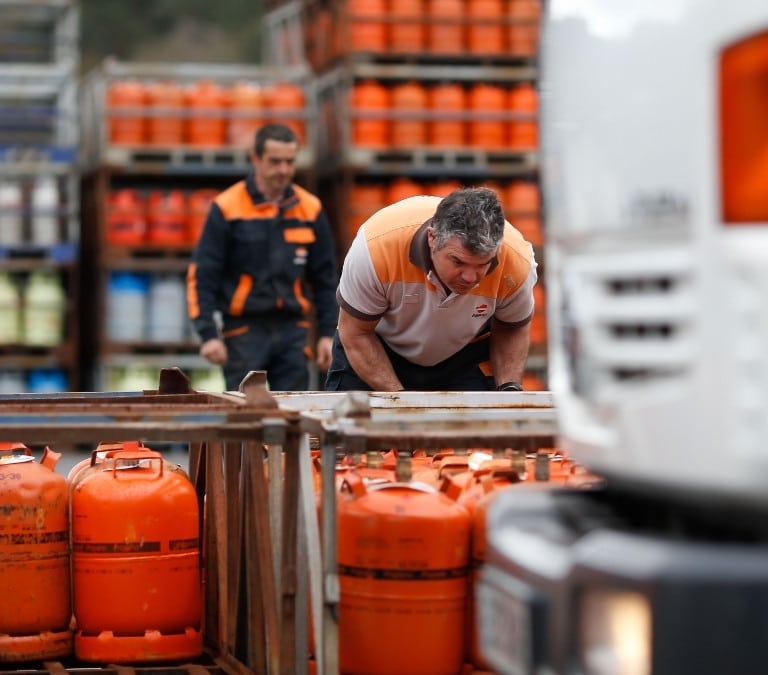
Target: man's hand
<point>214,351</point>
<point>324,348</point>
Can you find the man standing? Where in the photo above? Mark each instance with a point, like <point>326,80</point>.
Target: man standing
<point>435,294</point>
<point>266,244</point>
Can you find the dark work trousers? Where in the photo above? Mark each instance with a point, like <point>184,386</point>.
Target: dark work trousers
<point>269,342</point>
<point>460,372</point>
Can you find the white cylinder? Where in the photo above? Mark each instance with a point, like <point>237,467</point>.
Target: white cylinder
<point>127,307</point>
<point>45,211</point>
<point>11,213</point>
<point>167,309</point>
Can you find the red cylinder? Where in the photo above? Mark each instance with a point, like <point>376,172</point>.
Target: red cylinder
<point>199,202</point>
<point>402,557</point>
<point>136,561</point>
<point>366,27</point>
<point>126,218</point>
<point>35,602</point>
<point>524,27</point>
<point>167,217</point>
<point>247,113</point>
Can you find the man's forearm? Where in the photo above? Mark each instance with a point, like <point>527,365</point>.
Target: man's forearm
<point>368,359</point>
<point>509,351</point>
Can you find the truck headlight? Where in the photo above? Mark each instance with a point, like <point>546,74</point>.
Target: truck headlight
<point>615,632</point>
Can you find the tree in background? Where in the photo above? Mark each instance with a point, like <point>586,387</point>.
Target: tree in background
<point>196,31</point>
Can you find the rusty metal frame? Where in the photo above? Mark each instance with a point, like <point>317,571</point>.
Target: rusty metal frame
<point>228,434</point>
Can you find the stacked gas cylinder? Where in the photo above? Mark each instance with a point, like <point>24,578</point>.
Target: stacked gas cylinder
<point>411,540</point>
<point>103,565</point>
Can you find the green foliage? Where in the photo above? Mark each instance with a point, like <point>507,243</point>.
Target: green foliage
<point>136,29</point>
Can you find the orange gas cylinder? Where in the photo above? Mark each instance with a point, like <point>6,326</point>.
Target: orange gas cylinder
<point>401,188</point>
<point>207,107</point>
<point>485,33</point>
<point>364,200</point>
<point>444,187</point>
<point>366,29</point>
<point>403,552</point>
<point>447,107</point>
<point>524,27</point>
<point>247,113</point>
<point>487,126</point>
<point>286,104</point>
<point>199,203</point>
<point>370,106</point>
<point>126,218</point>
<point>409,104</point>
<point>524,128</point>
<point>35,602</point>
<point>135,561</point>
<point>522,206</point>
<point>407,32</point>
<point>167,217</point>
<point>445,30</point>
<point>125,112</point>
<point>165,111</point>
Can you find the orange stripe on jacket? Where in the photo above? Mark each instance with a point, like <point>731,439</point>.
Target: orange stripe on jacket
<point>193,302</point>
<point>237,304</point>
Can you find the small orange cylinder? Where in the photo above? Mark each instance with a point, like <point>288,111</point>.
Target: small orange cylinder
<point>206,105</point>
<point>165,113</point>
<point>403,552</point>
<point>407,32</point>
<point>524,27</point>
<point>136,561</point>
<point>366,30</point>
<point>125,112</point>
<point>286,103</point>
<point>524,128</point>
<point>247,113</point>
<point>364,200</point>
<point>487,127</point>
<point>447,106</point>
<point>401,188</point>
<point>370,101</point>
<point>445,31</point>
<point>409,103</point>
<point>35,602</point>
<point>485,33</point>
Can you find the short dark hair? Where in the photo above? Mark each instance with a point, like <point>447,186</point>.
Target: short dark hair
<point>273,132</point>
<point>474,215</point>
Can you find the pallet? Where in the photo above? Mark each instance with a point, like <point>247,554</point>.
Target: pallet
<point>60,254</point>
<point>435,160</point>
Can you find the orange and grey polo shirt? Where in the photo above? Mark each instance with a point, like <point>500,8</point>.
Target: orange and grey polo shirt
<point>387,277</point>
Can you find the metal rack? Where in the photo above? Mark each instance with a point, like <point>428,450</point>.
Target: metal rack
<point>356,423</point>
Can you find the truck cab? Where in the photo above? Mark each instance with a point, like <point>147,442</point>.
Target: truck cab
<point>654,132</point>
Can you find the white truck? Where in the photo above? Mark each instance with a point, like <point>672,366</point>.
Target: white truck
<point>654,133</point>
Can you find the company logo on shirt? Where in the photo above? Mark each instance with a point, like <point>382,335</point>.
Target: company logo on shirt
<point>480,310</point>
<point>300,256</point>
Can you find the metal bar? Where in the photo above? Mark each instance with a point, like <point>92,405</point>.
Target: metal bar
<point>330,626</point>
<point>233,539</point>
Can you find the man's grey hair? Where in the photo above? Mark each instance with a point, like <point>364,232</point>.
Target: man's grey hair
<point>474,216</point>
